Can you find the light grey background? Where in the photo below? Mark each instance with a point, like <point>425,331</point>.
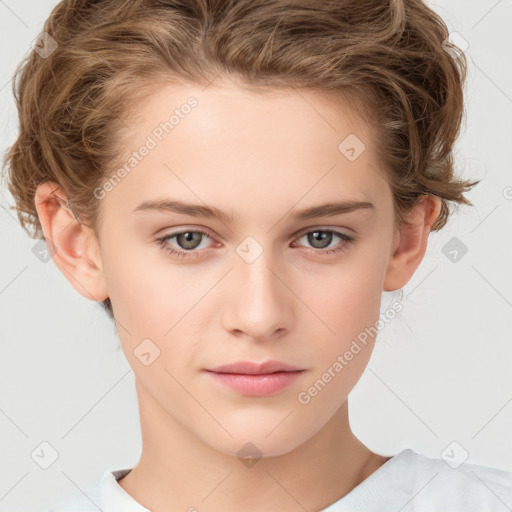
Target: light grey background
<point>441,371</point>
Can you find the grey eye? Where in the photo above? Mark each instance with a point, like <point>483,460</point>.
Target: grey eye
<point>320,239</point>
<point>189,239</point>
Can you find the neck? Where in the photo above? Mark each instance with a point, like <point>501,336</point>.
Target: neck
<point>178,471</point>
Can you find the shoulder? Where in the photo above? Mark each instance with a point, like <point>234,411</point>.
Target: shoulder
<point>86,501</point>
<point>411,482</point>
<point>439,484</point>
<point>106,495</point>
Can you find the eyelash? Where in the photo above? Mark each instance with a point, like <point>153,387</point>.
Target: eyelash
<point>342,246</point>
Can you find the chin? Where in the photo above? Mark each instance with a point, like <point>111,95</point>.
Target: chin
<point>259,440</point>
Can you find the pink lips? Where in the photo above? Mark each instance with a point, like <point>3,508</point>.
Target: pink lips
<point>254,379</point>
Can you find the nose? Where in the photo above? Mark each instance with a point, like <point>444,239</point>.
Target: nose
<point>259,304</point>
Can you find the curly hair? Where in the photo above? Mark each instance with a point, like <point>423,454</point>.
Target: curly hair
<point>391,58</point>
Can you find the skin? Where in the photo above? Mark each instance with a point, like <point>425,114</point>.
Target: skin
<point>259,158</point>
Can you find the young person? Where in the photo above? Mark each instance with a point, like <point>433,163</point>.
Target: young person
<point>237,182</point>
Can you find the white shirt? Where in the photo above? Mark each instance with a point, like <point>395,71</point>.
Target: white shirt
<point>408,482</point>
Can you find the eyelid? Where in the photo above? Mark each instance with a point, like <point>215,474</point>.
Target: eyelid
<point>206,235</point>
<point>346,240</point>
<point>334,229</point>
<point>180,228</point>
<point>302,231</point>
<point>165,244</point>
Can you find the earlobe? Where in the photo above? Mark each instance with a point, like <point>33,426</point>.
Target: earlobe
<point>72,245</point>
<point>412,238</point>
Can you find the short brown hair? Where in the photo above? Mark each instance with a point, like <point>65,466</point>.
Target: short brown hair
<point>391,57</point>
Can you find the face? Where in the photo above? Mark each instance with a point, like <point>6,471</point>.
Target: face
<point>259,282</point>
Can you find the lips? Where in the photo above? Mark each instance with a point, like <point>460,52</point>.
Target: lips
<point>250,368</point>
<point>256,379</point>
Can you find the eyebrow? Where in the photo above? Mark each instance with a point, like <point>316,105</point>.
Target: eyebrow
<point>211,212</point>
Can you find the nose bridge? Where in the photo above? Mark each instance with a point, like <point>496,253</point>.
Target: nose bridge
<point>260,306</point>
<point>258,276</point>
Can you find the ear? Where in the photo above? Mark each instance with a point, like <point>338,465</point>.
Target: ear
<point>72,245</point>
<point>410,242</point>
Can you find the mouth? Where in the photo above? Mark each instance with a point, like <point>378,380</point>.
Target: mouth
<point>256,379</point>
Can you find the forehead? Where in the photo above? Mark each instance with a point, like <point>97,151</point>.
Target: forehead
<point>231,145</point>
<point>221,109</point>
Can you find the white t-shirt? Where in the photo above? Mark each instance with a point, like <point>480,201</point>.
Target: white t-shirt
<point>408,482</point>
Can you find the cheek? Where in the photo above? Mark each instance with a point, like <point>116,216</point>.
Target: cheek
<point>349,308</point>
<point>346,300</point>
<point>146,291</point>
<point>156,301</point>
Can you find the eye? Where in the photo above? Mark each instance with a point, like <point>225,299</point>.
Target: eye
<point>189,240</point>
<point>322,238</point>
